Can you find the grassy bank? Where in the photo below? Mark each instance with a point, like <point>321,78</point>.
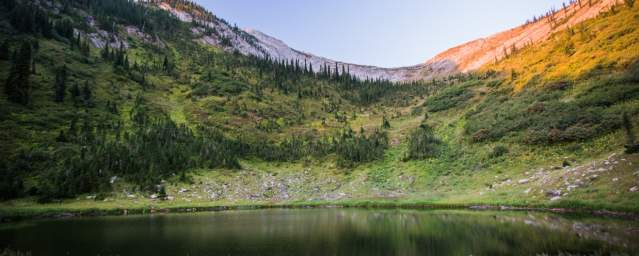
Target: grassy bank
<point>26,209</point>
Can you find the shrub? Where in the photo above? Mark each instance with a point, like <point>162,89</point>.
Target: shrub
<point>543,116</point>
<point>450,97</point>
<point>162,193</point>
<point>499,151</point>
<point>607,93</point>
<point>569,48</point>
<point>201,90</point>
<point>481,135</point>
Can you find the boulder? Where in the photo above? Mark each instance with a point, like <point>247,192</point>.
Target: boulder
<point>554,193</point>
<point>523,181</point>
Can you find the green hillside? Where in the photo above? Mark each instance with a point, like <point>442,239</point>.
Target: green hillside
<point>184,124</point>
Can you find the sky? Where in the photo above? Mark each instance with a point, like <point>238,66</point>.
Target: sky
<point>385,33</point>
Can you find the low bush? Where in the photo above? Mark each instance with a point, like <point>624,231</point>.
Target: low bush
<point>498,151</point>
<point>546,116</point>
<point>451,97</point>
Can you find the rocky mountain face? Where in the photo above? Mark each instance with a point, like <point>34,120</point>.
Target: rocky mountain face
<point>464,58</point>
<point>279,50</point>
<point>253,42</point>
<point>473,55</point>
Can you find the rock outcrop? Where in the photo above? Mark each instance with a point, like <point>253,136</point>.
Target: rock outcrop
<point>464,58</point>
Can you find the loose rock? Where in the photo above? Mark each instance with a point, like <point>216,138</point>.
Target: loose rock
<point>554,193</point>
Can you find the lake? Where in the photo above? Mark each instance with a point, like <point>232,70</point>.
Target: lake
<point>326,232</point>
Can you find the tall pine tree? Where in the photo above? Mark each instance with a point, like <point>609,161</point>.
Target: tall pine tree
<point>4,51</point>
<point>87,94</point>
<point>61,84</point>
<point>75,94</point>
<point>17,85</point>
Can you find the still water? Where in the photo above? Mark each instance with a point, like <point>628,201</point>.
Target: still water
<point>326,232</point>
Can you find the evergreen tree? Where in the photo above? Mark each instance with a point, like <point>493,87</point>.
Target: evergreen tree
<point>61,84</point>
<point>126,62</point>
<point>87,95</point>
<point>64,28</point>
<point>75,93</point>
<point>22,18</point>
<point>106,52</point>
<point>385,123</point>
<point>631,144</point>
<point>422,143</point>
<point>17,85</point>
<point>33,66</point>
<point>73,128</point>
<point>166,65</point>
<point>61,137</point>
<point>42,23</point>
<point>87,130</point>
<point>4,50</point>
<point>9,4</point>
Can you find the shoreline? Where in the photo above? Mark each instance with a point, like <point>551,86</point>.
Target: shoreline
<point>17,214</point>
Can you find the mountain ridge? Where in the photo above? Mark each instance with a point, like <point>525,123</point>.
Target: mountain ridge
<point>161,111</point>
<point>477,53</point>
<point>463,58</point>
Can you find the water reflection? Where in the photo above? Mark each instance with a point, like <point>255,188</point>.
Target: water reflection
<point>327,232</point>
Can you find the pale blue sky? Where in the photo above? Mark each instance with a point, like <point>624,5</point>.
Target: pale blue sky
<point>386,33</point>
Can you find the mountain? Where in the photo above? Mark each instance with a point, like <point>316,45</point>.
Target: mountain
<point>279,50</point>
<point>477,53</point>
<point>117,104</point>
<point>464,58</point>
<point>254,42</point>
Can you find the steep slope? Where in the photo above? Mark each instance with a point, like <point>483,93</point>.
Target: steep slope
<point>139,71</point>
<point>218,128</point>
<point>604,45</point>
<point>464,58</point>
<point>473,55</point>
<point>254,42</point>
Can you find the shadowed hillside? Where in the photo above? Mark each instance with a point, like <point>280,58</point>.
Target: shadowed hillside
<point>127,105</point>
